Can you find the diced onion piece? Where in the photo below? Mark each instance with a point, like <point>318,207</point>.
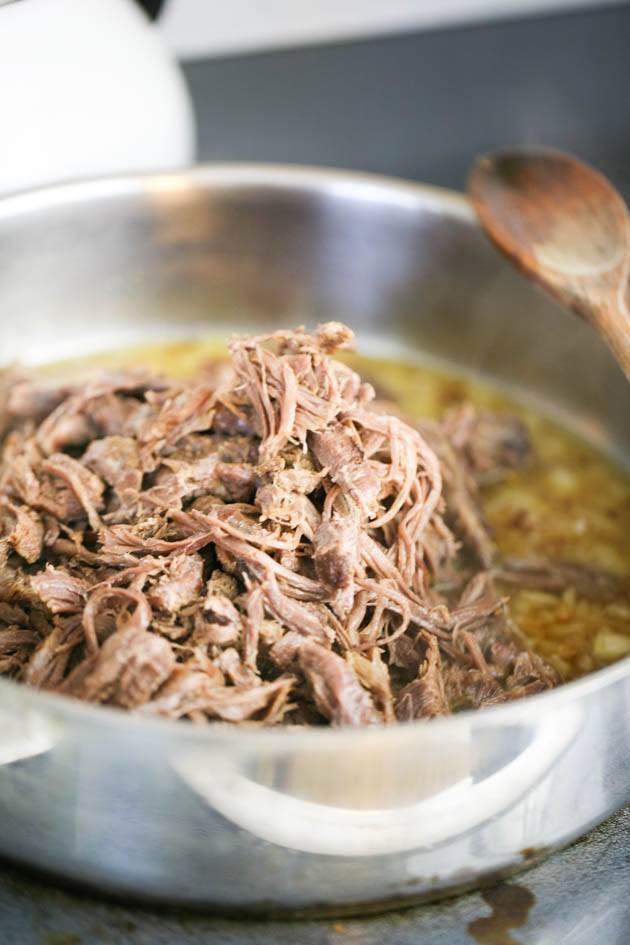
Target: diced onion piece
<point>609,646</point>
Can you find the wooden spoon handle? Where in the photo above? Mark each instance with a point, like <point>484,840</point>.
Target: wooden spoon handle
<point>612,319</point>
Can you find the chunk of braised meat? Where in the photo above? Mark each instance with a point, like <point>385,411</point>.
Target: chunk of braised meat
<point>285,651</point>
<point>48,663</point>
<point>283,494</point>
<point>22,530</point>
<point>58,485</point>
<point>306,618</point>
<point>491,640</point>
<point>18,597</point>
<point>119,543</point>
<point>336,556</point>
<point>336,690</point>
<point>60,591</point>
<point>219,624</point>
<point>222,584</point>
<point>180,585</point>
<point>187,691</point>
<point>180,412</point>
<point>110,609</point>
<point>84,487</point>
<point>67,426</point>
<point>16,646</point>
<point>491,443</point>
<point>116,459</point>
<point>373,674</point>
<point>235,481</point>
<point>232,419</point>
<point>29,400</point>
<point>338,453</point>
<point>404,654</point>
<point>424,698</point>
<point>130,666</point>
<point>197,692</point>
<point>468,688</point>
<point>200,465</point>
<point>115,415</point>
<point>530,674</point>
<point>235,669</point>
<point>336,552</point>
<point>77,419</point>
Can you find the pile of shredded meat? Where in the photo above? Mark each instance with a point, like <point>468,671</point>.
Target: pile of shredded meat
<point>265,543</point>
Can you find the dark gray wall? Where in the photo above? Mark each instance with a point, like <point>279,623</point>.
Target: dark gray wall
<point>422,105</point>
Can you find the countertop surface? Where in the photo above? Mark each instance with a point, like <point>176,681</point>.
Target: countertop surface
<point>579,896</point>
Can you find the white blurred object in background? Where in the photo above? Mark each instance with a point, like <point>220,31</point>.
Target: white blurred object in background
<point>87,89</point>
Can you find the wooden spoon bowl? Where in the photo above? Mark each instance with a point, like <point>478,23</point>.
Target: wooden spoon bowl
<point>564,225</point>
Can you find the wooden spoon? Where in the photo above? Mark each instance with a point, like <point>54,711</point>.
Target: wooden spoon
<point>567,228</point>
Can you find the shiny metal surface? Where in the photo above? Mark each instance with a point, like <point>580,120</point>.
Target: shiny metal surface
<point>253,821</point>
<point>576,897</point>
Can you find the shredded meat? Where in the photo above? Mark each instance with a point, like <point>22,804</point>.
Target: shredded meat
<point>128,669</point>
<point>490,443</point>
<point>336,690</point>
<point>425,696</point>
<point>338,453</point>
<point>468,688</point>
<point>180,585</point>
<point>335,552</point>
<point>461,495</point>
<point>60,592</point>
<point>262,544</point>
<point>47,665</point>
<point>116,459</point>
<point>193,691</point>
<point>23,530</point>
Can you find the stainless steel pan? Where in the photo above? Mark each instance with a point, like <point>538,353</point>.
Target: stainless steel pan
<point>254,821</point>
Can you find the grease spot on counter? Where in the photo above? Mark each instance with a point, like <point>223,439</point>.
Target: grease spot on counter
<point>510,906</point>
